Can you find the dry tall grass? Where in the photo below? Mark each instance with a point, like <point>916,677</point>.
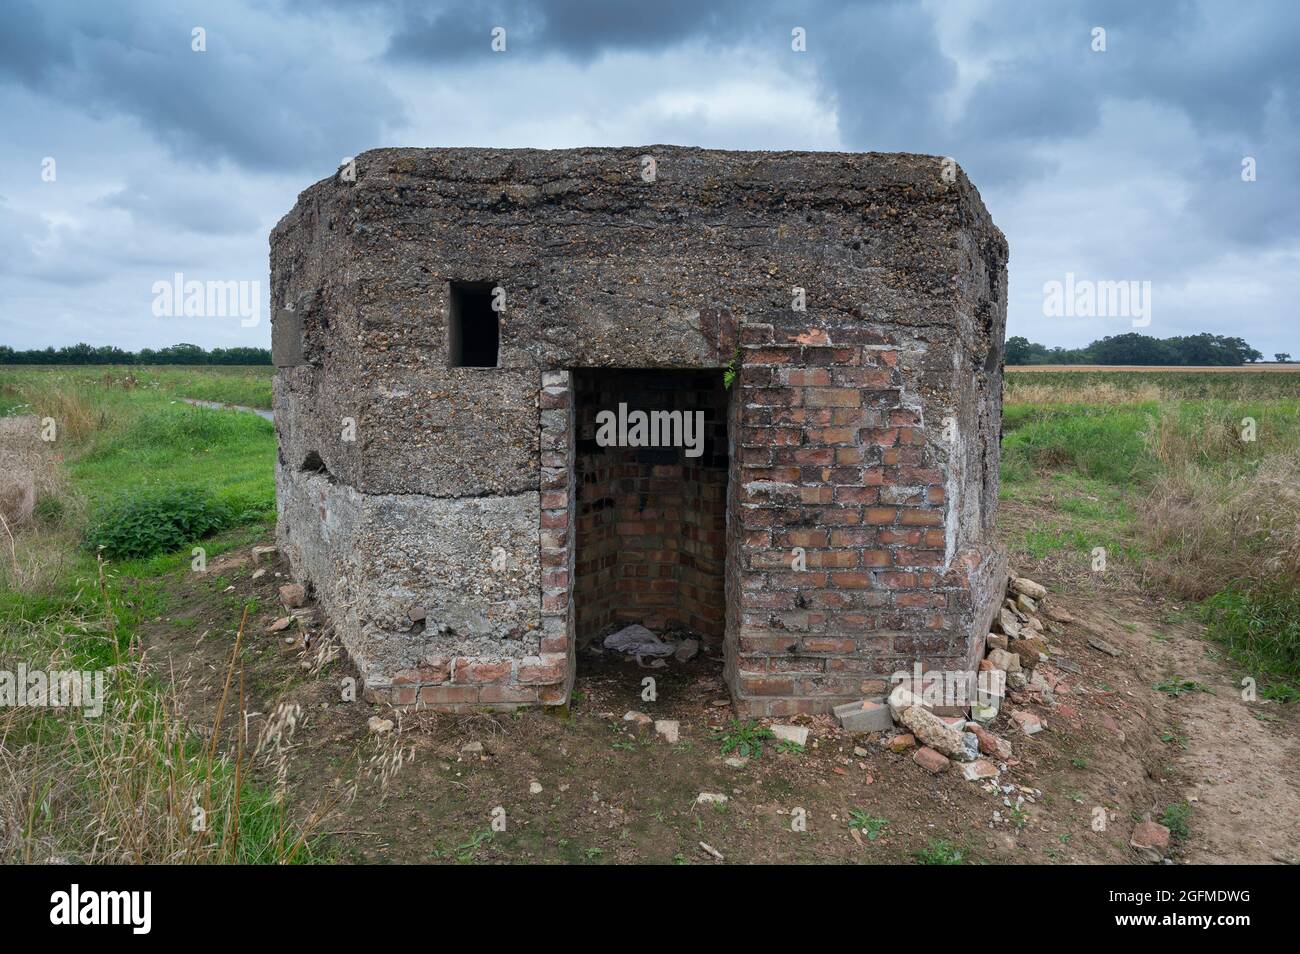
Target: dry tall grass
<point>21,445</point>
<point>67,402</point>
<point>1211,533</point>
<point>1103,392</point>
<point>138,783</point>
<point>1215,438</point>
<point>1222,510</point>
<point>32,556</point>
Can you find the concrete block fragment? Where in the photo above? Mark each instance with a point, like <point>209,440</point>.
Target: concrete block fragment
<point>870,715</point>
<point>798,734</point>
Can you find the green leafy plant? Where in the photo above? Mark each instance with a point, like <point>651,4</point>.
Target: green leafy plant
<point>871,825</point>
<point>158,522</point>
<point>465,852</point>
<point>1176,687</point>
<point>1260,627</point>
<point>939,853</point>
<point>731,370</point>
<point>49,510</point>
<point>743,738</point>
<point>1169,737</point>
<point>1176,817</point>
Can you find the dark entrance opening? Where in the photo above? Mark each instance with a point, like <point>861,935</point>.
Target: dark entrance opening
<point>650,520</point>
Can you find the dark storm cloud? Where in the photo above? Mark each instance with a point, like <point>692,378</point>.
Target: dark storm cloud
<point>1229,70</point>
<point>1047,82</point>
<point>29,48</point>
<point>578,29</point>
<point>882,63</point>
<point>1128,159</point>
<point>274,104</point>
<point>265,101</point>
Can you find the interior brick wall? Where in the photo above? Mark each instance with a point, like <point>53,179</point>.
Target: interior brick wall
<point>650,521</point>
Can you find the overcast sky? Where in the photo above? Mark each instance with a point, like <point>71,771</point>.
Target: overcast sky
<point>1122,165</point>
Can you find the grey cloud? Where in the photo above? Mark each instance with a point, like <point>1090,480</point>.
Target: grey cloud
<point>30,48</point>
<point>183,205</point>
<point>578,29</point>
<point>883,65</point>
<point>1048,83</point>
<point>225,139</point>
<point>267,103</point>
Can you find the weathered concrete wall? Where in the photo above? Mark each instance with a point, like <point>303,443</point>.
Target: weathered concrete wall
<point>904,280</point>
<point>375,560</point>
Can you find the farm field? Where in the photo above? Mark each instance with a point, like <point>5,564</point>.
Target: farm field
<point>1160,508</point>
<point>1291,368</point>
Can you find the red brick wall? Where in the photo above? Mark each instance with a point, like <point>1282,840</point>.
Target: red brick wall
<point>830,458</point>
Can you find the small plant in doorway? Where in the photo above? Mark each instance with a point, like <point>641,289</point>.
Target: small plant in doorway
<point>731,370</point>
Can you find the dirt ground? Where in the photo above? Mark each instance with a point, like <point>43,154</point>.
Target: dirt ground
<point>576,785</point>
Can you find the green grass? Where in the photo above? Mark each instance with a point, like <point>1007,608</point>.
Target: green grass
<point>120,443</point>
<point>1087,472</point>
<point>228,454</point>
<point>1177,686</point>
<point>1176,818</point>
<point>1040,541</point>
<point>1104,443</point>
<point>1111,443</point>
<point>1073,514</point>
<point>121,786</point>
<point>938,852</point>
<point>247,386</point>
<point>1260,627</point>
<point>135,445</point>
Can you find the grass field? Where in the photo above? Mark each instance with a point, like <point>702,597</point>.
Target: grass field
<point>1091,385</point>
<point>1152,468</point>
<point>1155,369</point>
<point>125,436</point>
<point>1192,479</point>
<point>95,386</point>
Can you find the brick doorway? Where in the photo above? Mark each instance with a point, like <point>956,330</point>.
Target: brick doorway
<point>650,537</point>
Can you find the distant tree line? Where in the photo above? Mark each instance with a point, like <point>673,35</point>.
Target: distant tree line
<point>1133,348</point>
<point>107,354</point>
